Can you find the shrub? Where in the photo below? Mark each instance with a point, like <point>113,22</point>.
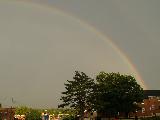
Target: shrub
<point>69,118</point>
<point>151,118</point>
<point>33,115</point>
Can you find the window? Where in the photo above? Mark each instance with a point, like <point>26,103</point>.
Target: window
<point>143,110</point>
<point>153,107</point>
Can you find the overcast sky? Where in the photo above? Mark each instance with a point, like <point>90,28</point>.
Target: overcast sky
<point>41,46</point>
<point>133,25</point>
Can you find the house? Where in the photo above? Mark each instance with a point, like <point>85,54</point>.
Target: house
<point>7,113</point>
<point>150,105</point>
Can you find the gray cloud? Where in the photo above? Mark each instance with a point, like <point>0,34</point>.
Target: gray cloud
<point>41,48</point>
<point>133,26</point>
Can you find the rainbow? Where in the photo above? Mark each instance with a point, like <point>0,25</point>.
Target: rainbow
<point>93,29</point>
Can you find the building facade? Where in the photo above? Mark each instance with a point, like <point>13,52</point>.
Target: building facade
<point>7,113</point>
<point>150,105</point>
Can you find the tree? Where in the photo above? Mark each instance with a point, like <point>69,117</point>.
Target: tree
<point>33,115</point>
<point>23,110</point>
<point>77,94</point>
<point>117,93</point>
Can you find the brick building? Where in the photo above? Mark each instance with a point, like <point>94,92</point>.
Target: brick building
<point>151,104</point>
<point>7,113</point>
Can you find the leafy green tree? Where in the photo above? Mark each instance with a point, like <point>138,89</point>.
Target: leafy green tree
<point>33,115</point>
<point>77,94</point>
<point>23,110</point>
<point>117,93</point>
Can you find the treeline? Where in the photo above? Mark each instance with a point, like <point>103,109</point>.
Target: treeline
<point>108,93</point>
<point>35,114</point>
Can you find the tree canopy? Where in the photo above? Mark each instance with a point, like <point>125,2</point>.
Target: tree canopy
<point>33,115</point>
<point>117,93</point>
<point>22,110</point>
<point>111,93</point>
<point>77,94</point>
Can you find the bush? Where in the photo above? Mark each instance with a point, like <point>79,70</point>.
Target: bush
<point>33,115</point>
<point>69,118</point>
<point>151,118</point>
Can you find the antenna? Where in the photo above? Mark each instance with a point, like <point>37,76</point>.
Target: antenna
<point>13,101</point>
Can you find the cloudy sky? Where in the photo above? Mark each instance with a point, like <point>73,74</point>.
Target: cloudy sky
<point>42,43</point>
